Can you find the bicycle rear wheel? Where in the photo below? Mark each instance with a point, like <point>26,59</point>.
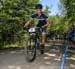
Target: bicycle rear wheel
<point>30,49</point>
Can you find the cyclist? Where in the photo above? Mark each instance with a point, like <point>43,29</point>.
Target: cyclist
<point>42,23</point>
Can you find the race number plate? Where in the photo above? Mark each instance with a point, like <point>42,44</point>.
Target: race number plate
<point>32,30</point>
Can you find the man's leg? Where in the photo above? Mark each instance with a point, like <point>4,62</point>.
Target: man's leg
<point>43,41</point>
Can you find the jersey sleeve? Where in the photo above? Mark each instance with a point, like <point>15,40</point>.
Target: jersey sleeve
<point>33,16</point>
<point>45,16</point>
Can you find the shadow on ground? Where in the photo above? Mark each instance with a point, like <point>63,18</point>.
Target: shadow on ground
<point>13,58</point>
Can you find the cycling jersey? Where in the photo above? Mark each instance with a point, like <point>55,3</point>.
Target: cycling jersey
<point>42,19</point>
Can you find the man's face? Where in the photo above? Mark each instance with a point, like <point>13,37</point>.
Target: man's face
<point>39,11</point>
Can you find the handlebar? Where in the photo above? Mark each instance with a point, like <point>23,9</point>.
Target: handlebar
<point>36,27</point>
<point>24,30</point>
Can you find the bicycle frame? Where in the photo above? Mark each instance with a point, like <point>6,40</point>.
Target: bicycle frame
<point>36,35</point>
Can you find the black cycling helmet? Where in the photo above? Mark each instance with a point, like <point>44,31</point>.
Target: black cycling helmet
<point>39,6</point>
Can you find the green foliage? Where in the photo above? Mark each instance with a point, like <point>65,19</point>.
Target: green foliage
<point>13,15</point>
<point>46,10</point>
<point>57,25</point>
<point>69,7</point>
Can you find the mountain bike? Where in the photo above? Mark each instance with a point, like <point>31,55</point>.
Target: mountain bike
<point>32,43</point>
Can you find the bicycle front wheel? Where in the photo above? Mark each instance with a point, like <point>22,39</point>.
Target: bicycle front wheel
<point>30,49</point>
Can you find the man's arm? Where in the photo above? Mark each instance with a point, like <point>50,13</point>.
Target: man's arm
<point>31,19</point>
<point>28,22</point>
<point>48,22</point>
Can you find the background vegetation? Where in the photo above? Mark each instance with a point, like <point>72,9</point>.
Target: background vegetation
<point>15,13</point>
